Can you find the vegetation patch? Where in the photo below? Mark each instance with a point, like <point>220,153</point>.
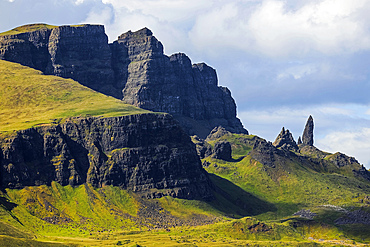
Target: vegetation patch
<point>28,98</point>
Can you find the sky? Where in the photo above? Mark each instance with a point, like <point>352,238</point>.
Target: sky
<point>283,60</point>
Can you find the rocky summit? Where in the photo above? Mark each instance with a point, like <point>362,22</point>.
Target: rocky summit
<point>133,68</point>
<point>285,140</point>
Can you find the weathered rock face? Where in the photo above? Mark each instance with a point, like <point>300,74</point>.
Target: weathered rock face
<point>222,151</point>
<point>133,68</point>
<point>78,52</point>
<point>216,133</point>
<point>147,153</point>
<point>286,141</point>
<point>204,149</point>
<point>307,137</point>
<point>172,84</point>
<point>341,160</point>
<point>83,54</point>
<point>265,153</point>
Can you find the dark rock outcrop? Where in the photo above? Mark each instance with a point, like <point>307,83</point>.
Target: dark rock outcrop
<point>216,133</point>
<point>172,84</point>
<point>307,137</point>
<point>78,52</point>
<point>285,141</point>
<point>222,151</point>
<point>204,149</point>
<point>133,68</point>
<point>354,217</point>
<point>146,153</point>
<point>341,160</point>
<point>264,152</point>
<point>299,141</point>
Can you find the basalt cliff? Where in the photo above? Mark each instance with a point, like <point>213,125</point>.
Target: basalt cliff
<point>146,153</point>
<point>132,68</point>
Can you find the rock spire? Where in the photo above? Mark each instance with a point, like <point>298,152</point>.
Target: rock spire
<point>307,137</point>
<point>285,140</point>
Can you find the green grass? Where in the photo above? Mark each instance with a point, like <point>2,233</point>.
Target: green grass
<point>290,185</point>
<point>28,98</point>
<point>101,217</point>
<point>68,211</point>
<point>32,28</point>
<point>27,28</point>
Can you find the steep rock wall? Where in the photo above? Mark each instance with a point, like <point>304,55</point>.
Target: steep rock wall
<point>133,68</point>
<point>146,153</point>
<point>172,84</point>
<point>78,52</point>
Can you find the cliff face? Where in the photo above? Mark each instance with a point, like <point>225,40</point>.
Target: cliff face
<point>172,84</point>
<point>133,68</point>
<point>147,153</point>
<point>78,52</point>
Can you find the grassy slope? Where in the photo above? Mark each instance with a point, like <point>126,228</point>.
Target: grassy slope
<point>104,217</point>
<point>29,98</point>
<point>293,186</point>
<point>30,28</point>
<point>291,183</point>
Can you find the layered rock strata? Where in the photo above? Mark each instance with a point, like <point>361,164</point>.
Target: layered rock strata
<point>133,68</point>
<point>146,153</point>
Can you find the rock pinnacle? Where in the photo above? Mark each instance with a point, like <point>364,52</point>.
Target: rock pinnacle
<point>307,137</point>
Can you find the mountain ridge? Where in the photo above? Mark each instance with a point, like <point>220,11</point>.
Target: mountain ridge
<point>136,179</point>
<point>133,68</point>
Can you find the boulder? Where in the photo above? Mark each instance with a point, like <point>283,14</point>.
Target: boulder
<point>222,151</point>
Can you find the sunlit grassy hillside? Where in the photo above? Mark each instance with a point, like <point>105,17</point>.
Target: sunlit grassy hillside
<point>293,183</point>
<point>30,28</point>
<point>29,98</point>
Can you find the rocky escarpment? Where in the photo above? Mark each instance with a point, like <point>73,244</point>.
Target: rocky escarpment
<point>172,84</point>
<point>146,153</point>
<point>78,52</point>
<point>133,68</point>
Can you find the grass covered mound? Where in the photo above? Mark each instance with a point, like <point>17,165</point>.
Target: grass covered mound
<point>31,28</point>
<point>28,98</point>
<point>27,28</point>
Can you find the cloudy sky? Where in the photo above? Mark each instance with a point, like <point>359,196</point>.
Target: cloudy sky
<point>282,59</point>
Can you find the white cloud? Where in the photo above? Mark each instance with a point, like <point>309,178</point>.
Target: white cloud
<point>103,16</point>
<point>297,72</point>
<point>353,143</point>
<point>273,29</point>
<point>163,10</point>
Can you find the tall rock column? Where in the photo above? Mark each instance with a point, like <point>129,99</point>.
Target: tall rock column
<point>307,137</point>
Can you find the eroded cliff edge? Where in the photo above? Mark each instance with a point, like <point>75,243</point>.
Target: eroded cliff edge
<point>146,153</point>
<point>133,68</point>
